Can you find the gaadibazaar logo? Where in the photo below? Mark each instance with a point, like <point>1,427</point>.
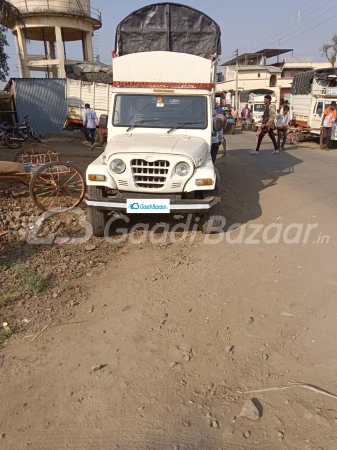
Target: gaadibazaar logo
<point>141,206</point>
<point>164,233</point>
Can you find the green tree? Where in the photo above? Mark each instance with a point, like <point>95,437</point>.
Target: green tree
<point>330,51</point>
<point>4,69</point>
<point>9,16</point>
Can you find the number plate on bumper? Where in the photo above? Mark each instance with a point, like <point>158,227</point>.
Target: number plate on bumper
<point>150,206</point>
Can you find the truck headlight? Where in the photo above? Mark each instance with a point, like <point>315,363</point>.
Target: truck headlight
<point>117,166</point>
<point>182,169</point>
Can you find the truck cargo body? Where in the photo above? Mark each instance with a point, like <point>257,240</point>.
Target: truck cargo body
<point>78,93</point>
<point>312,93</point>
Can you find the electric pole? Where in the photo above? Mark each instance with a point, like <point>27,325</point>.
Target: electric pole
<point>237,80</point>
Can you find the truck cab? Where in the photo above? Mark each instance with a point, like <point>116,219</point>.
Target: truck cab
<point>257,106</point>
<point>316,115</point>
<point>161,119</point>
<point>312,93</point>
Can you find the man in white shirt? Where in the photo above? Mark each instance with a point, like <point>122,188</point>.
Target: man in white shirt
<point>216,141</point>
<point>290,113</point>
<point>281,123</point>
<point>90,122</point>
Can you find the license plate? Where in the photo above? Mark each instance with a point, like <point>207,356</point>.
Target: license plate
<point>149,206</point>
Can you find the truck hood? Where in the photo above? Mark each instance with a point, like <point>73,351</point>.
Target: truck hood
<point>193,147</point>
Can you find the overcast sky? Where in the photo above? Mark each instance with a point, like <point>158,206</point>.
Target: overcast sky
<point>302,25</point>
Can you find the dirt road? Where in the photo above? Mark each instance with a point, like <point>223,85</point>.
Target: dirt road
<point>172,336</point>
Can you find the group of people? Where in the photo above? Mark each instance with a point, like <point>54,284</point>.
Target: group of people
<point>272,120</point>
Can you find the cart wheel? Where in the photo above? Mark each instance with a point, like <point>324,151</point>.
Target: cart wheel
<point>36,155</point>
<point>99,137</point>
<point>57,186</point>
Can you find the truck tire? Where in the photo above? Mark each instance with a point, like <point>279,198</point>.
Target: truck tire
<point>206,222</point>
<point>300,137</point>
<point>97,218</point>
<point>99,138</point>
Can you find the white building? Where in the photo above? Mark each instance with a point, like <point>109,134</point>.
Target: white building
<point>255,74</point>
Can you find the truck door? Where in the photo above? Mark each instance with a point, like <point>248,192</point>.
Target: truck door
<point>317,116</point>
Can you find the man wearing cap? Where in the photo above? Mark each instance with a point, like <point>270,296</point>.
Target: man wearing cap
<point>269,115</point>
<point>329,116</point>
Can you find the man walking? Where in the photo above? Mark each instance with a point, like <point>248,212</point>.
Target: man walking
<point>216,141</point>
<point>89,123</point>
<point>245,116</point>
<point>281,122</point>
<point>268,126</point>
<point>329,116</point>
<point>290,113</point>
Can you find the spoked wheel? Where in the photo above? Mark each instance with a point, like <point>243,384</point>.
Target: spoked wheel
<point>33,156</point>
<point>57,186</point>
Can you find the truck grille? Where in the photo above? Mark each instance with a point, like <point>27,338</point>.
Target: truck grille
<point>150,175</point>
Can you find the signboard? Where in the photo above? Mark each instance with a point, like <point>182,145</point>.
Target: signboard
<point>331,91</point>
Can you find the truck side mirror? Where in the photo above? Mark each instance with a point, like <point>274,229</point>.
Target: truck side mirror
<point>103,121</point>
<point>217,124</point>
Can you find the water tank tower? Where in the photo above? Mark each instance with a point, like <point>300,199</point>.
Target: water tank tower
<point>54,22</point>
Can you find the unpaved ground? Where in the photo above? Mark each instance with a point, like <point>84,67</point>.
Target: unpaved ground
<point>181,331</point>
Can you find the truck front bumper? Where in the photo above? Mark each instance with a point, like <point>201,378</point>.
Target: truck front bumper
<point>177,206</point>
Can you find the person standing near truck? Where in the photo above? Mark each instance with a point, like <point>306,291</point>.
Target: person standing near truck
<point>329,116</point>
<point>269,115</point>
<point>245,116</point>
<point>216,141</point>
<point>286,104</point>
<point>281,122</point>
<point>90,122</point>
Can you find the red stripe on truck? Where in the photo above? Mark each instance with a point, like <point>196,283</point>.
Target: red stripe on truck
<point>162,84</point>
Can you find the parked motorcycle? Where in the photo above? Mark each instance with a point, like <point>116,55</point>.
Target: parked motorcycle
<point>18,134</point>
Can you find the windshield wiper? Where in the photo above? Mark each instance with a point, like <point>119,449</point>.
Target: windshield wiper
<point>182,124</point>
<point>136,124</point>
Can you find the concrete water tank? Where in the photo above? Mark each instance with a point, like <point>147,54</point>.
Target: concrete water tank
<point>57,6</point>
<point>54,22</point>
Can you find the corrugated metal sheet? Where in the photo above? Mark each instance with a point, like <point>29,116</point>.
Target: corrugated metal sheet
<point>44,100</point>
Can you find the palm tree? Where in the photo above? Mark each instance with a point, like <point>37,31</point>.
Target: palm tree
<point>330,51</point>
<point>10,15</point>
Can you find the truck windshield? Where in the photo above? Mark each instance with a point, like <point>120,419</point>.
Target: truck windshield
<point>160,111</point>
<point>259,107</point>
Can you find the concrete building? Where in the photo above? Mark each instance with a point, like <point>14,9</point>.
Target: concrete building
<point>255,73</point>
<point>54,23</point>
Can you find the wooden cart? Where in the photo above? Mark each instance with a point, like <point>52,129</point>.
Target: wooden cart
<point>53,185</point>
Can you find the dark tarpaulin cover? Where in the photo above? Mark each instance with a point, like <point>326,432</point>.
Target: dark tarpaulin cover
<point>302,82</point>
<point>168,27</point>
<point>91,72</point>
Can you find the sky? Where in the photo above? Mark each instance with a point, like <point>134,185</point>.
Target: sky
<point>302,25</point>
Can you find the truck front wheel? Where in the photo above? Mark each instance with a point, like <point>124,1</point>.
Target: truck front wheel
<point>97,218</point>
<point>210,222</point>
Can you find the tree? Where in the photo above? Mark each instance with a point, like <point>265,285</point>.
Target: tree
<point>4,69</point>
<point>330,51</point>
<point>9,16</point>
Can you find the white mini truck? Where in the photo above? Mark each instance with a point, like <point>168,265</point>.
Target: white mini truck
<point>157,158</point>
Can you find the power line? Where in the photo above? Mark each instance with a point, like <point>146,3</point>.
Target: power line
<point>286,23</point>
<point>304,11</point>
<point>306,31</point>
<point>296,32</point>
